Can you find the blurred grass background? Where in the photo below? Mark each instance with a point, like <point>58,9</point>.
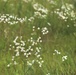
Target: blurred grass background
<point>60,37</point>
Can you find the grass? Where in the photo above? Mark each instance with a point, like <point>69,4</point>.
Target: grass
<point>61,36</point>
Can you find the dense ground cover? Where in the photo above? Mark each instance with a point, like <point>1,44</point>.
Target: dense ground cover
<point>37,37</point>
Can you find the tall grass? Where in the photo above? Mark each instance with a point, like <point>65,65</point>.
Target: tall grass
<point>48,27</point>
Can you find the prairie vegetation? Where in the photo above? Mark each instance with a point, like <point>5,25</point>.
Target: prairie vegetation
<point>37,37</point>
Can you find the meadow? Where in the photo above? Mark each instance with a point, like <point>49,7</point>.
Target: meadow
<point>37,37</point>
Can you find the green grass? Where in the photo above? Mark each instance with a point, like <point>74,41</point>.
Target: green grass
<point>60,37</point>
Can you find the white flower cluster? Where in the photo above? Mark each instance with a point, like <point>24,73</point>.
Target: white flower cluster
<point>68,8</point>
<point>30,47</point>
<point>11,19</point>
<point>66,12</point>
<point>64,58</point>
<point>32,50</point>
<point>40,11</point>
<point>44,30</point>
<point>31,19</point>
<point>40,8</point>
<point>59,53</point>
<point>61,14</point>
<point>35,42</point>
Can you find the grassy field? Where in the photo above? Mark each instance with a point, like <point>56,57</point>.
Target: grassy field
<point>37,37</point>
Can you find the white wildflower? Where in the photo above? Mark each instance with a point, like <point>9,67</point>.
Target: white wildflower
<point>15,63</point>
<point>17,53</point>
<point>44,30</point>
<point>64,58</point>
